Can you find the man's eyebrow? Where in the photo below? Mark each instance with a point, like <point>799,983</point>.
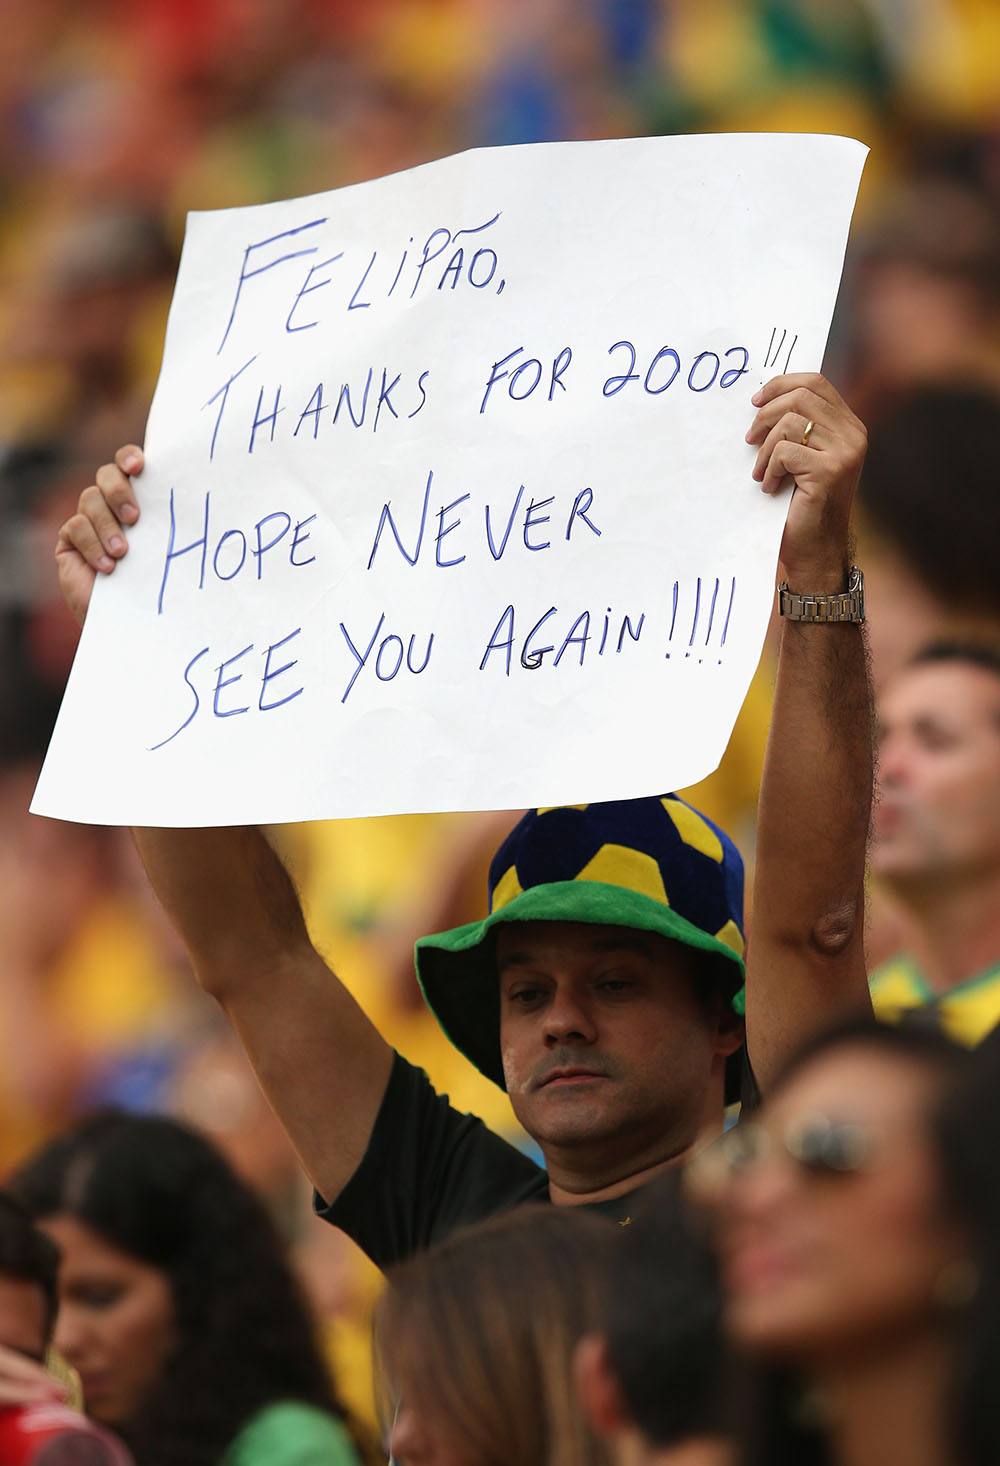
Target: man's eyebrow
<point>925,722</point>
<point>515,959</point>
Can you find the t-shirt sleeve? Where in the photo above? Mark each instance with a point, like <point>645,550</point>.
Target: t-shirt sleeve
<point>427,1170</point>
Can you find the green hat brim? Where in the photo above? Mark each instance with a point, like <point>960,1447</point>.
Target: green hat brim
<point>457,969</point>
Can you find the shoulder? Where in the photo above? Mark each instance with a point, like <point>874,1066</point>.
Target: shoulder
<point>428,1169</point>
<point>291,1433</point>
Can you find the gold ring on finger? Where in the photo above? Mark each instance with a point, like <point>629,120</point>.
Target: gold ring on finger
<point>806,431</point>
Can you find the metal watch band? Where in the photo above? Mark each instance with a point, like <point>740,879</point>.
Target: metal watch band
<point>848,605</point>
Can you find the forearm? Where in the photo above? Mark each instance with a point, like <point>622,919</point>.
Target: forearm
<point>816,792</point>
<point>806,962</point>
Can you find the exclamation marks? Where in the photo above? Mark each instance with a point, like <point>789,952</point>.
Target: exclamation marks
<point>729,612</point>
<point>773,351</point>
<point>697,611</point>
<point>714,619</point>
<point>711,613</point>
<point>673,615</point>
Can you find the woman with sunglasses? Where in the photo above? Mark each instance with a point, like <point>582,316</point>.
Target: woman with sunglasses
<point>847,1261</point>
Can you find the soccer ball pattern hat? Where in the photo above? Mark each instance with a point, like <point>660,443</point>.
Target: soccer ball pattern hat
<point>654,864</point>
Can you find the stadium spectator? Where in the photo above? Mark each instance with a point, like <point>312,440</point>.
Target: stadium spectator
<point>614,1026</point>
<point>845,1259</point>
<point>927,293</point>
<point>965,1134</point>
<point>36,1426</point>
<point>474,1343</point>
<point>930,521</point>
<point>29,1294</point>
<point>936,845</point>
<point>652,1377</point>
<point>177,1307</point>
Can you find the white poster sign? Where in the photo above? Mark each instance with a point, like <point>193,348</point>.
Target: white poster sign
<point>447,503</point>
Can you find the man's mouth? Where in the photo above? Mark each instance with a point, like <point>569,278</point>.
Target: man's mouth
<point>888,818</point>
<point>575,1074</point>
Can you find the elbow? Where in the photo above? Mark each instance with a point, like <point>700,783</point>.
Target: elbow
<point>231,971</point>
<point>836,928</point>
<point>213,978</point>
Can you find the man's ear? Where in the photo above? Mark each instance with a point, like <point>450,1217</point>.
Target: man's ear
<point>597,1387</point>
<point>730,1027</point>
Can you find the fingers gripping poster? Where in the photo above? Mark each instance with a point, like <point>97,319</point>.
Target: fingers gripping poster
<point>446,502</point>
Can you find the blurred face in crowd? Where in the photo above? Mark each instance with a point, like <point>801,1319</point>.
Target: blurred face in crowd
<point>605,1041</point>
<point>116,1320</point>
<point>832,1236</point>
<point>938,816</point>
<point>23,1321</point>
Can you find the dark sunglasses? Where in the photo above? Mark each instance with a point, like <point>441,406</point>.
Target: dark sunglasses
<point>818,1146</point>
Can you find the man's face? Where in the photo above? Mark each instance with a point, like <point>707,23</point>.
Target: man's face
<point>938,817</point>
<point>609,1054</point>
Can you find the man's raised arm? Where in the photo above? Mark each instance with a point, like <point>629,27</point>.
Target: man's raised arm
<point>805,962</point>
<point>321,1063</point>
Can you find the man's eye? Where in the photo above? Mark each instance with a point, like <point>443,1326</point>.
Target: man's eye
<point>524,997</point>
<point>615,984</point>
<point>937,739</point>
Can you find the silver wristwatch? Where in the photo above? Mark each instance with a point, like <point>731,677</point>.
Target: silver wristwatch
<point>849,605</point>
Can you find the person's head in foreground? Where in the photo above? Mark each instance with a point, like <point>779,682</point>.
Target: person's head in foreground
<point>652,1378</point>
<point>474,1343</point>
<point>851,1256</point>
<point>45,1433</point>
<point>615,942</point>
<point>29,1290</point>
<point>176,1304</point>
<point>937,823</point>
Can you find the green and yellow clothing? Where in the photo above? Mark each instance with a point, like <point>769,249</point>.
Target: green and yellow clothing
<point>966,1012</point>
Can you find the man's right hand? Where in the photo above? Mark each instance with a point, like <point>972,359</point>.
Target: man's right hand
<point>93,540</point>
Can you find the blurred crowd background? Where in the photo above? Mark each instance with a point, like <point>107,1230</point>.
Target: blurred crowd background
<point>116,118</point>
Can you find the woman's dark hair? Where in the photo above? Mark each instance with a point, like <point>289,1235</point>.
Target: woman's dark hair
<point>245,1339</point>
<point>29,1256</point>
<point>968,1142</point>
<point>781,1420</point>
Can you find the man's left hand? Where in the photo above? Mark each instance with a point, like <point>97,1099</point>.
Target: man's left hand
<point>825,470</point>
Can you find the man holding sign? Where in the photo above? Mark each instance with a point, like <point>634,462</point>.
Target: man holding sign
<point>601,991</point>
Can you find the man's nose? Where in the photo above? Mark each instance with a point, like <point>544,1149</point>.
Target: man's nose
<point>569,1019</point>
<point>893,763</point>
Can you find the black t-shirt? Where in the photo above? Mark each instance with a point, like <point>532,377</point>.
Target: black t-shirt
<point>429,1169</point>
